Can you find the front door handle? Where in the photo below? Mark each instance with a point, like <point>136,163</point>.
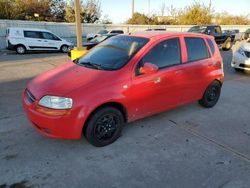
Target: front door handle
<point>157,80</point>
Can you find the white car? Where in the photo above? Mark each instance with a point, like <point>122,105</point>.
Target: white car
<point>103,32</point>
<point>25,39</point>
<point>241,58</point>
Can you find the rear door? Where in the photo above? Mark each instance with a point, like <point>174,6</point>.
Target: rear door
<point>33,39</point>
<point>159,91</point>
<point>195,69</point>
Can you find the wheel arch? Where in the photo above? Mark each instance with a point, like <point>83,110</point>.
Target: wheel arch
<point>116,105</point>
<point>20,44</point>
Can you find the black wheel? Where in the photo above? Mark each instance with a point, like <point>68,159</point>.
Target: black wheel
<point>211,95</point>
<point>20,49</point>
<point>104,127</point>
<point>64,48</point>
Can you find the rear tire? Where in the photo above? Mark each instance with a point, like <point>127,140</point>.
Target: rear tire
<point>64,48</point>
<point>20,49</point>
<point>211,95</point>
<point>104,126</point>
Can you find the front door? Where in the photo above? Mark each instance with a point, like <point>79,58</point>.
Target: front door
<point>51,41</point>
<point>153,93</point>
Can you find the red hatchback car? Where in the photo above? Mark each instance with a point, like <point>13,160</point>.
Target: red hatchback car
<point>123,79</point>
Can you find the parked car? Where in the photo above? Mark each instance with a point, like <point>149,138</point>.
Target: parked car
<point>125,78</point>
<point>235,33</point>
<point>223,40</point>
<point>25,39</point>
<point>241,57</point>
<point>246,34</point>
<point>103,32</point>
<point>93,42</point>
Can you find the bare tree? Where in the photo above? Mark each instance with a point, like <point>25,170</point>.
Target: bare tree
<point>163,8</point>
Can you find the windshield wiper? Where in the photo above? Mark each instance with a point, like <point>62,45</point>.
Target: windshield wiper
<point>89,64</point>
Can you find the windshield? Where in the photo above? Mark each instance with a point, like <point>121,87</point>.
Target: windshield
<point>197,29</point>
<point>114,53</point>
<point>102,32</point>
<point>98,39</point>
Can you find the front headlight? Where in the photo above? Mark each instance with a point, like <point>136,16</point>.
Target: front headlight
<point>55,102</point>
<point>241,51</point>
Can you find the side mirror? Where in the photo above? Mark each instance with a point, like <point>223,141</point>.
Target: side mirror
<point>148,68</point>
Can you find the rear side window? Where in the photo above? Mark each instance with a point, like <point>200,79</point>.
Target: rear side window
<point>32,34</point>
<point>211,45</point>
<point>196,49</point>
<point>164,54</point>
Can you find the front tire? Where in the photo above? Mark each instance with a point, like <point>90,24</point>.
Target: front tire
<point>20,49</point>
<point>211,95</point>
<point>64,48</point>
<point>104,126</point>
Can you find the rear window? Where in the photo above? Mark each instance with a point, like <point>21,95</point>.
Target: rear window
<point>196,48</point>
<point>217,29</point>
<point>32,34</point>
<point>211,45</point>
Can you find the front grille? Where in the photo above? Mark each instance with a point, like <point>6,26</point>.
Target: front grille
<point>31,98</point>
<point>244,66</point>
<point>247,54</point>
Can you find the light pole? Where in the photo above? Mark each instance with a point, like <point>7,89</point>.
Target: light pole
<point>148,8</point>
<point>78,25</point>
<point>78,51</point>
<point>133,8</point>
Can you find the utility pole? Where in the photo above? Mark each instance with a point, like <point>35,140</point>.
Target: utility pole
<point>133,8</point>
<point>78,25</point>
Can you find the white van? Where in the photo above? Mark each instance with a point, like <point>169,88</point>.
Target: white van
<point>24,39</point>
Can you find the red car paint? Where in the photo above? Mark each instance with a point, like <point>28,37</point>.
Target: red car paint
<point>139,96</point>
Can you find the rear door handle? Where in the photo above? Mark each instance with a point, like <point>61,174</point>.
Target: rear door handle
<point>157,80</point>
<point>39,40</point>
<point>45,41</point>
<point>210,64</point>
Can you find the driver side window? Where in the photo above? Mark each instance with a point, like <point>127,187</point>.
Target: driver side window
<point>164,54</point>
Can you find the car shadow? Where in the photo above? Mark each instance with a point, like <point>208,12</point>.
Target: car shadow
<point>13,56</point>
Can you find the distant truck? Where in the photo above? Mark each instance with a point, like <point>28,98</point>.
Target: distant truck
<point>223,40</point>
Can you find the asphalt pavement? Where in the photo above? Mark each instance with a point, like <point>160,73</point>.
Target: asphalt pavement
<point>186,147</point>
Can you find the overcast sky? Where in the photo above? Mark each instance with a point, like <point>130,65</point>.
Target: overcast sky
<point>120,10</point>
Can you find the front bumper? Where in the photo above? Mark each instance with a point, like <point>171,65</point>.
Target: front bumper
<point>68,126</point>
<point>243,64</point>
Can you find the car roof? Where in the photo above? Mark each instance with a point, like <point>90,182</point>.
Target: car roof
<point>163,34</point>
<point>28,29</point>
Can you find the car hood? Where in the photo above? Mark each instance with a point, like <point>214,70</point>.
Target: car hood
<point>246,46</point>
<point>63,79</point>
